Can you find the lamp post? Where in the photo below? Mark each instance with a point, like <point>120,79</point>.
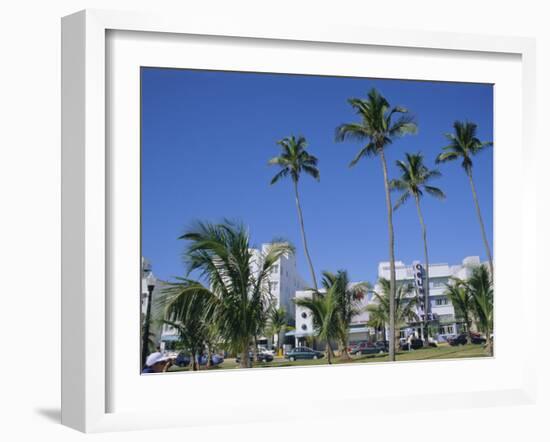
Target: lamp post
<point>151,281</point>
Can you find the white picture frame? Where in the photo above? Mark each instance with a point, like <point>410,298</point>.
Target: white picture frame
<point>86,204</point>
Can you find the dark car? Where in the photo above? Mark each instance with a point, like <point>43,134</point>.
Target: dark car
<point>184,359</point>
<point>416,343</point>
<point>460,339</point>
<point>476,338</point>
<point>383,346</point>
<point>260,357</point>
<point>368,348</point>
<point>303,353</point>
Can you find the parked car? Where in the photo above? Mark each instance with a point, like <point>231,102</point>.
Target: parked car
<point>416,343</point>
<point>457,340</point>
<point>183,359</point>
<point>477,338</point>
<point>368,348</point>
<point>303,353</point>
<point>260,357</point>
<point>353,346</point>
<point>265,350</point>
<point>384,346</point>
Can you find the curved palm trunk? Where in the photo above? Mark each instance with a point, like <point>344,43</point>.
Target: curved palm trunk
<point>392,255</point>
<point>304,239</point>
<point>487,248</point>
<point>427,270</point>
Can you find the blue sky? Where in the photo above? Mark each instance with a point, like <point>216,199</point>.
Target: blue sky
<point>207,137</point>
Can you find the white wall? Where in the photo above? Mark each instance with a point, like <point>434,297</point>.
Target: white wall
<point>30,220</point>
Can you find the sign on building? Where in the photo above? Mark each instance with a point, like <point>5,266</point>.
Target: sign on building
<point>419,282</point>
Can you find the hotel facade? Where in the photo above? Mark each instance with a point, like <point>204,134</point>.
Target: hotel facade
<point>440,308</point>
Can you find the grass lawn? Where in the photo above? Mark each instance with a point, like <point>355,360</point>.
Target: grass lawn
<point>443,351</point>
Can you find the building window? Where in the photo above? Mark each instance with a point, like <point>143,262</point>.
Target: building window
<point>304,315</point>
<point>273,286</point>
<point>441,301</point>
<point>275,269</point>
<point>446,330</point>
<point>304,327</point>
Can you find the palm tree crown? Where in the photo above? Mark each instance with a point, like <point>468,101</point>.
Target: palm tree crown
<point>464,144</point>
<point>378,125</point>
<point>414,179</point>
<point>405,307</point>
<point>294,159</point>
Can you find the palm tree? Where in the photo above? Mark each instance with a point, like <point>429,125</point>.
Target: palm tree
<point>464,144</point>
<point>480,286</point>
<point>405,307</point>
<point>462,301</point>
<point>348,298</point>
<point>235,297</point>
<point>378,128</point>
<point>413,182</point>
<point>324,310</point>
<point>378,319</point>
<point>277,324</point>
<point>294,160</point>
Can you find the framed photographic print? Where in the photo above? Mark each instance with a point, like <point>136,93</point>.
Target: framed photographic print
<point>249,208</point>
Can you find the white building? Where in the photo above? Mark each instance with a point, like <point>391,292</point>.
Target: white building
<point>439,304</point>
<point>284,280</point>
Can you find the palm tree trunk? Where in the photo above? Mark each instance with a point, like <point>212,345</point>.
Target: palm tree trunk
<point>427,270</point>
<point>245,363</point>
<point>304,239</point>
<point>487,248</point>
<point>329,352</point>
<point>244,359</point>
<point>392,255</point>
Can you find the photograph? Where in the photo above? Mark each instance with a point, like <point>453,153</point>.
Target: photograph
<point>293,220</point>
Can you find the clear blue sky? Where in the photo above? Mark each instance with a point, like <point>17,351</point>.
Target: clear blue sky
<point>207,137</point>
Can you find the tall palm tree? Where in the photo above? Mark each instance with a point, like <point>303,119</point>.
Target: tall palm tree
<point>463,302</point>
<point>405,307</point>
<point>277,324</point>
<point>235,297</point>
<point>480,285</point>
<point>348,299</point>
<point>324,311</point>
<point>413,182</point>
<point>294,160</point>
<point>464,144</point>
<point>378,127</point>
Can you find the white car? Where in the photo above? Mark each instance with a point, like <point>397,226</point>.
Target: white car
<point>265,351</point>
